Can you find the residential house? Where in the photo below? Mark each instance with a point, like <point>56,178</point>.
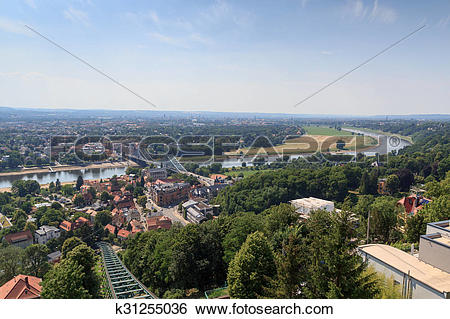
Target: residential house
<point>111,229</point>
<point>21,239</point>
<point>66,225</point>
<point>218,178</point>
<point>136,226</point>
<point>80,222</point>
<point>412,204</point>
<point>158,222</point>
<point>45,233</point>
<point>54,257</point>
<point>21,287</point>
<point>123,234</point>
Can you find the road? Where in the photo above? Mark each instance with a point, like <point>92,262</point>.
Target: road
<point>202,179</point>
<point>172,213</point>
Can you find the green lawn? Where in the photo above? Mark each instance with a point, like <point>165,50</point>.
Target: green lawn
<point>323,130</point>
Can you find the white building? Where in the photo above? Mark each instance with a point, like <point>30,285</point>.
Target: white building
<point>424,277</point>
<point>305,206</point>
<point>434,246</point>
<point>45,233</point>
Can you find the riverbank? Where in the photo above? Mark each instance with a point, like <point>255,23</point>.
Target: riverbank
<point>8,189</point>
<point>68,168</point>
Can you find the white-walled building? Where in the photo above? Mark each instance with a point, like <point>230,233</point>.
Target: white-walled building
<point>424,277</point>
<point>45,233</point>
<point>305,206</point>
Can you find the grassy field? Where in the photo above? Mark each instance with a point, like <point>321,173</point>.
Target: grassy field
<point>311,144</point>
<point>323,130</point>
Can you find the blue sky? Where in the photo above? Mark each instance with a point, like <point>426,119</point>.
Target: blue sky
<point>224,55</point>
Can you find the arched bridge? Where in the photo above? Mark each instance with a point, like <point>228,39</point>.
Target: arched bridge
<point>122,283</point>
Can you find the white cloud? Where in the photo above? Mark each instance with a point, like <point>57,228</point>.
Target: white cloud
<point>183,41</point>
<point>76,16</point>
<point>383,13</point>
<point>13,26</point>
<point>31,3</point>
<point>167,39</point>
<point>326,52</point>
<point>375,12</point>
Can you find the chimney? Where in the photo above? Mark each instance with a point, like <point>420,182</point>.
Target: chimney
<point>26,282</point>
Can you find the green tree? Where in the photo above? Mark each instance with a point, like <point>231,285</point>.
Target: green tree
<point>85,257</point>
<point>240,227</point>
<point>79,183</point>
<point>65,281</point>
<point>67,190</point>
<point>79,200</point>
<point>383,219</point>
<point>11,258</point>
<point>104,217</point>
<point>250,270</point>
<point>31,227</point>
<point>291,267</point>
<point>334,269</point>
<point>36,260</point>
<point>392,184</point>
<point>70,244</point>
<point>142,201</point>
<point>105,197</point>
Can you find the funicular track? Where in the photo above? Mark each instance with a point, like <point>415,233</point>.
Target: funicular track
<point>122,283</point>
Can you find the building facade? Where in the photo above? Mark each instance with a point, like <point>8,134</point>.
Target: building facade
<point>45,233</point>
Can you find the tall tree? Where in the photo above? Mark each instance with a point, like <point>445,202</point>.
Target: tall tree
<point>335,270</point>
<point>36,260</point>
<point>85,257</point>
<point>80,182</point>
<point>250,270</point>
<point>65,281</point>
<point>392,184</point>
<point>11,258</point>
<point>70,244</point>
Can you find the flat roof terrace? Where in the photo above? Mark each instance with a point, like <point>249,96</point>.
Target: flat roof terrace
<point>404,262</point>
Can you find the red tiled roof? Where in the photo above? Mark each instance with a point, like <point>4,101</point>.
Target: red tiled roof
<point>20,236</point>
<point>218,176</point>
<point>158,222</point>
<point>82,219</point>
<point>21,287</point>
<point>66,225</point>
<point>123,233</point>
<point>111,228</point>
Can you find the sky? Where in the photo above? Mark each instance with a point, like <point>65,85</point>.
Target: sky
<point>225,55</point>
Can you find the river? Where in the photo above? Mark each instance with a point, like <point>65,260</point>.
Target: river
<point>387,144</point>
<point>63,176</point>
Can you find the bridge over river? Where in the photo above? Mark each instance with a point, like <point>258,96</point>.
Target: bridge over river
<point>122,283</point>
